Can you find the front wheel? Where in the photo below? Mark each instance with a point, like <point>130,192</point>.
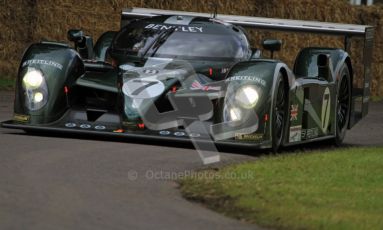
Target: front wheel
<point>279,115</point>
<point>343,105</point>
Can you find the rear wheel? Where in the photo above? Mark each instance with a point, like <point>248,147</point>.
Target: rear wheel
<point>343,105</point>
<point>279,113</point>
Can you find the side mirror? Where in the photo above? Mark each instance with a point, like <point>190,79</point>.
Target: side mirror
<point>272,45</point>
<point>83,44</point>
<point>75,35</point>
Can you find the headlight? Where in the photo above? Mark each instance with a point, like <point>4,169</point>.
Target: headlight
<point>247,96</point>
<point>235,114</point>
<point>36,90</point>
<point>38,97</point>
<point>33,79</point>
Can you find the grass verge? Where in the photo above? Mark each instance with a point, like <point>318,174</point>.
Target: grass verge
<point>7,84</point>
<point>376,98</point>
<point>340,189</point>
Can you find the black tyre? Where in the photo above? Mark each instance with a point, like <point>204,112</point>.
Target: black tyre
<point>279,117</point>
<point>343,105</point>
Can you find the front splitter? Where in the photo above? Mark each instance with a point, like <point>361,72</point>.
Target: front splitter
<point>108,130</point>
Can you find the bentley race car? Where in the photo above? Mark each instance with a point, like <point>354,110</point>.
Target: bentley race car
<point>184,76</point>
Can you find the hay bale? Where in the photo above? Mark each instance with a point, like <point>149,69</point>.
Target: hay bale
<point>25,21</point>
<point>15,26</point>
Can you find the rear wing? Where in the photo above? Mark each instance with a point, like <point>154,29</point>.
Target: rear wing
<point>348,31</point>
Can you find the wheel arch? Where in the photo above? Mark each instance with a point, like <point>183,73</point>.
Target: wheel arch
<point>263,73</point>
<point>285,78</point>
<point>308,57</point>
<point>350,69</point>
<point>288,78</point>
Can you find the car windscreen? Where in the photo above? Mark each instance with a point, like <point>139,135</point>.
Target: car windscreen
<point>200,46</point>
<point>146,42</point>
<point>135,41</point>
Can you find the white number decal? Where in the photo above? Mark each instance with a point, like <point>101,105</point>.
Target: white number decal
<point>326,102</point>
<point>143,88</point>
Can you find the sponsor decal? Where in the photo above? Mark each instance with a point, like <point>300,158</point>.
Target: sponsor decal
<point>313,114</point>
<point>179,134</point>
<point>257,80</point>
<point>164,133</point>
<point>294,112</point>
<point>85,126</point>
<point>224,70</point>
<point>43,62</point>
<point>196,85</point>
<point>21,117</point>
<point>143,88</point>
<point>189,29</point>
<point>295,134</point>
<point>150,71</point>
<point>249,137</point>
<point>100,127</point>
<point>310,133</point>
<point>70,125</point>
<point>326,104</point>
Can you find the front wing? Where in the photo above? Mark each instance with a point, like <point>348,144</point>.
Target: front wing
<point>113,130</point>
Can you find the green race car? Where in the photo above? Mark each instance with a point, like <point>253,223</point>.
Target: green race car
<point>184,76</point>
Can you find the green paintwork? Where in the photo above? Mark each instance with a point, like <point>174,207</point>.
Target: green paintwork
<point>306,61</point>
<point>56,79</point>
<point>102,81</point>
<point>306,94</point>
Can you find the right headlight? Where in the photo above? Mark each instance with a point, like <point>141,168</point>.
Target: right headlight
<point>247,96</point>
<point>38,97</point>
<point>33,79</point>
<point>36,90</point>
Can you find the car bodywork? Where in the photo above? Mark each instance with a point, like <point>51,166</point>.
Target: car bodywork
<point>159,94</point>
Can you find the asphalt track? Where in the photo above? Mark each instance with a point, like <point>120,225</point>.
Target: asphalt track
<point>65,182</point>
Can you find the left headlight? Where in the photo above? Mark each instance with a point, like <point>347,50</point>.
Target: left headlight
<point>36,90</point>
<point>247,96</point>
<point>235,114</point>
